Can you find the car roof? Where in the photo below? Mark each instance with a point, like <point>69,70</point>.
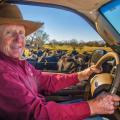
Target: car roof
<point>85,7</point>
<point>75,4</point>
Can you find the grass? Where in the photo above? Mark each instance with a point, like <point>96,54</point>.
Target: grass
<point>82,49</point>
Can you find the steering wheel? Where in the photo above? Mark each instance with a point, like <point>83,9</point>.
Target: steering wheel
<point>104,81</point>
<point>106,57</point>
<point>116,81</point>
<point>99,81</point>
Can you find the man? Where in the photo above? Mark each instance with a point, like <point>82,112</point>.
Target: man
<point>21,86</point>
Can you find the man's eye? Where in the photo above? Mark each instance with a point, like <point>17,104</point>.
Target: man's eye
<point>21,32</point>
<point>8,32</point>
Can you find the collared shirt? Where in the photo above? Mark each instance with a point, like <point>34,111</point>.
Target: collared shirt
<point>21,88</point>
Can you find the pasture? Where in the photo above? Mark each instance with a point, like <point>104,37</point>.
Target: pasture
<point>80,49</point>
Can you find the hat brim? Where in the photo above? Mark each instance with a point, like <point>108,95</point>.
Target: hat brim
<point>30,26</point>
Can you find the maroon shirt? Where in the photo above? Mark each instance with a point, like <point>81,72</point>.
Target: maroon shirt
<point>21,86</point>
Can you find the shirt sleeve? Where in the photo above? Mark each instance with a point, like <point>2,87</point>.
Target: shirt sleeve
<point>53,82</point>
<point>18,102</point>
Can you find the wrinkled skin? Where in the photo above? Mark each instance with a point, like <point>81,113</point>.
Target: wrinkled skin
<point>104,104</point>
<point>12,40</point>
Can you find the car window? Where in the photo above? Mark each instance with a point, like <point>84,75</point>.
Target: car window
<point>65,36</point>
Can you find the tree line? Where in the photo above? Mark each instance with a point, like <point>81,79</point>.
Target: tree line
<point>39,38</point>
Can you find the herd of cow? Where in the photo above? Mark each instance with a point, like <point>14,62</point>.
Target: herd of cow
<point>59,60</point>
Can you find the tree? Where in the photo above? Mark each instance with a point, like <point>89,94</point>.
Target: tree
<point>73,42</point>
<point>38,38</point>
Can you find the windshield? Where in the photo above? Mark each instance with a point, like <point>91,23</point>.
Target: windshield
<point>111,12</point>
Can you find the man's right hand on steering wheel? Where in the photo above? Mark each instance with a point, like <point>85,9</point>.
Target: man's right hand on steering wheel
<point>104,104</point>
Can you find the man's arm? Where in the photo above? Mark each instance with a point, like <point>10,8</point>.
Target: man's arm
<point>18,102</point>
<point>53,82</point>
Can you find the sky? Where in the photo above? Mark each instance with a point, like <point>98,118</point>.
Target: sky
<point>60,24</point>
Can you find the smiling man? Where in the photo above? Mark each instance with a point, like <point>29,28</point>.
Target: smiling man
<point>12,40</point>
<point>21,85</point>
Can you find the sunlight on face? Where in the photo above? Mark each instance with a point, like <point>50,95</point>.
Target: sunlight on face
<point>12,40</point>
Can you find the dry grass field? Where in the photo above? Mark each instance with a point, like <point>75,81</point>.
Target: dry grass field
<point>69,48</point>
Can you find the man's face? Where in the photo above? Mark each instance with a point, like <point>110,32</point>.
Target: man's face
<point>12,40</point>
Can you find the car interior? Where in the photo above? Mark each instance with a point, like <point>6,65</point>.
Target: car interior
<point>102,16</point>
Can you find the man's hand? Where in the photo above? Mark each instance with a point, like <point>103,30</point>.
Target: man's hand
<point>85,74</point>
<point>94,69</point>
<point>103,104</point>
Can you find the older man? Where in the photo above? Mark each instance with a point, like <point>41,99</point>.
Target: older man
<point>21,85</point>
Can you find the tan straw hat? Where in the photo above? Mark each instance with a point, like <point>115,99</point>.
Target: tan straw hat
<point>10,14</point>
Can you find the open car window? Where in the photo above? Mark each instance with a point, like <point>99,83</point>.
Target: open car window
<point>60,39</point>
<point>58,23</point>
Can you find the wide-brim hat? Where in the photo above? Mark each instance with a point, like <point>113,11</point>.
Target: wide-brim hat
<point>10,14</point>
